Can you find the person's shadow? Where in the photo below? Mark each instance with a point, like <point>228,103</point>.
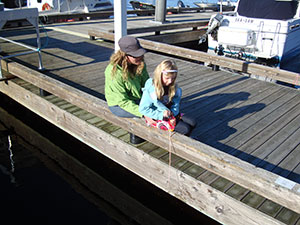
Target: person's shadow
<point>216,117</point>
<point>213,113</point>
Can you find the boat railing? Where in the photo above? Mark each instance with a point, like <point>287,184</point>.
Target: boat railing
<point>276,35</point>
<point>260,29</point>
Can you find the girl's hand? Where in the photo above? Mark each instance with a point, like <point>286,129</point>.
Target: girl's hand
<point>167,114</point>
<point>173,122</point>
<point>149,120</point>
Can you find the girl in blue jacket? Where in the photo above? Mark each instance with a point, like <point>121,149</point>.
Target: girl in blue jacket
<point>161,98</point>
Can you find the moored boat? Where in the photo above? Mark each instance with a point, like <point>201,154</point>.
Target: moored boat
<point>207,6</point>
<point>70,6</point>
<point>136,5</point>
<point>265,32</point>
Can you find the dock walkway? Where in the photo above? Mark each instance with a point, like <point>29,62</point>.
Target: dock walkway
<point>244,122</point>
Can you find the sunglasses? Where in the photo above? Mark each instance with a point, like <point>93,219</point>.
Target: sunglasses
<point>135,56</point>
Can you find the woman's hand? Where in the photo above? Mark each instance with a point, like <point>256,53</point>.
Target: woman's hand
<point>149,120</point>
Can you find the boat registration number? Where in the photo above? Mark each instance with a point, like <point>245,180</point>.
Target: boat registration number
<point>244,20</point>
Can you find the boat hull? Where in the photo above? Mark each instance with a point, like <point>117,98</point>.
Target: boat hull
<point>267,41</point>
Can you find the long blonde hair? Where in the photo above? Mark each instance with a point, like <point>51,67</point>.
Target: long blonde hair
<point>157,79</point>
<point>128,69</point>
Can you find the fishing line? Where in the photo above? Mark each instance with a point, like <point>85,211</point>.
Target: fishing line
<point>170,147</point>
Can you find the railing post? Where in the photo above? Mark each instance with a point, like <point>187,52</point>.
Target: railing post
<point>160,11</point>
<point>120,21</point>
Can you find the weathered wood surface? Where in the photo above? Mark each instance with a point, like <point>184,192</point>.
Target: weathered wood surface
<point>222,164</point>
<point>173,26</point>
<point>242,112</point>
<point>172,33</point>
<point>107,14</point>
<point>235,64</point>
<point>81,28</point>
<point>190,190</point>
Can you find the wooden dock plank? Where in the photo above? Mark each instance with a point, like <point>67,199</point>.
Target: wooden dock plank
<point>269,127</point>
<point>271,103</point>
<point>233,140</point>
<point>270,208</point>
<point>211,84</point>
<point>211,110</point>
<point>254,200</point>
<point>287,216</point>
<point>239,65</point>
<point>222,120</point>
<point>237,192</point>
<point>283,151</point>
<point>268,146</point>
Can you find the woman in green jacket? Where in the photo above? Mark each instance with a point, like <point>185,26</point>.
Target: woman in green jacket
<point>125,76</point>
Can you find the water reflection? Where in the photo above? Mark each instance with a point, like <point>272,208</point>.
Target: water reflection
<point>36,190</point>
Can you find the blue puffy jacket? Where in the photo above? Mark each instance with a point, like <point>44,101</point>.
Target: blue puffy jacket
<point>152,107</point>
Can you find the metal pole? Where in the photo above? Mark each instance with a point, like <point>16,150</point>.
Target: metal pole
<point>221,7</point>
<point>120,21</point>
<point>160,11</point>
<point>58,7</point>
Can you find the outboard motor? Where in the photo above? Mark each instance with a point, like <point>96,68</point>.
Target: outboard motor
<point>212,25</point>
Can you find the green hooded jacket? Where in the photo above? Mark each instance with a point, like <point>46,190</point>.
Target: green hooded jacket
<point>122,92</point>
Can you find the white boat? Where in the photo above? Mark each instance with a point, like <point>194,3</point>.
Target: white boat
<point>70,6</point>
<point>207,6</point>
<point>259,31</point>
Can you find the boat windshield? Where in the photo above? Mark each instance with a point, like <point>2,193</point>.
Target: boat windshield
<point>268,9</point>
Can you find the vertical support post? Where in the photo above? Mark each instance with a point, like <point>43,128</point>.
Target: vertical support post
<point>120,21</point>
<point>38,43</point>
<point>58,7</point>
<point>160,11</point>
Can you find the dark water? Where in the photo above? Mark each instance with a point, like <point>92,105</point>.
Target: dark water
<point>40,196</point>
<point>76,185</point>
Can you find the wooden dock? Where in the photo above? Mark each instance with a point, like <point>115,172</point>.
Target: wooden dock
<point>241,164</point>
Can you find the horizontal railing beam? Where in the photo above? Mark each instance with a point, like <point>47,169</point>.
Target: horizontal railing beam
<point>239,65</point>
<point>238,171</point>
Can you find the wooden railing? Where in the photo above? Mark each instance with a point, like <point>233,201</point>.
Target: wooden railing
<point>240,172</point>
<point>235,64</point>
<point>106,14</point>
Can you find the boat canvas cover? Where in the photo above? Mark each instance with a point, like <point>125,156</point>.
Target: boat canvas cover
<point>267,9</point>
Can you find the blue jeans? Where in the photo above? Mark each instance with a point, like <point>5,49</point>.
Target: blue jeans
<point>118,111</point>
<point>185,125</point>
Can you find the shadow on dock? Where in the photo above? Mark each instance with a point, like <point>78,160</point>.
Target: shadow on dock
<point>213,118</point>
